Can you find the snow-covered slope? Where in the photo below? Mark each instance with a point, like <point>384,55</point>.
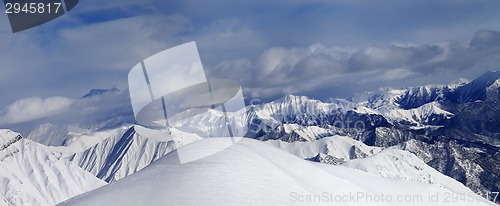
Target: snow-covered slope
<point>254,173</point>
<point>32,174</point>
<point>286,108</point>
<point>309,133</point>
<point>427,114</point>
<point>331,150</point>
<point>122,152</point>
<point>407,98</point>
<point>50,135</point>
<point>399,164</point>
<point>296,132</point>
<point>415,106</point>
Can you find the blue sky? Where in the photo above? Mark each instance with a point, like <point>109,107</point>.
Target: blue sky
<point>319,48</point>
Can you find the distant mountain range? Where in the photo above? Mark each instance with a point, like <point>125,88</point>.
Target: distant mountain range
<point>453,129</point>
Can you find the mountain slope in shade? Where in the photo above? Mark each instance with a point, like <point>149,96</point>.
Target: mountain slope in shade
<point>250,173</point>
<point>477,89</point>
<point>32,174</point>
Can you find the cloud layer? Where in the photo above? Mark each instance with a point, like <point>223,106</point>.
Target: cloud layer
<point>280,70</point>
<point>110,109</point>
<point>34,108</point>
<point>316,70</point>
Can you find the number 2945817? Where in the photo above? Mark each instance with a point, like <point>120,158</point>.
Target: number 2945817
<point>32,8</point>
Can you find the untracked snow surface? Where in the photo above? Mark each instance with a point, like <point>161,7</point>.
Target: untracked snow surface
<point>254,173</point>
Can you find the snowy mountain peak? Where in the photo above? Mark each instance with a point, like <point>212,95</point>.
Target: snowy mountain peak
<point>95,92</point>
<point>290,98</point>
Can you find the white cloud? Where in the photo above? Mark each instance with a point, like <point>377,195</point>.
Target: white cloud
<point>33,108</point>
<point>108,109</point>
